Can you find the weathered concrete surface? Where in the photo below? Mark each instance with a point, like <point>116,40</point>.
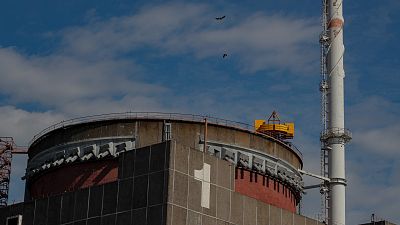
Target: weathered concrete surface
<point>265,189</point>
<point>150,131</point>
<point>227,206</point>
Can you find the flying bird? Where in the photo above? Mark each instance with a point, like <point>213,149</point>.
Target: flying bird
<point>220,18</point>
<point>224,55</point>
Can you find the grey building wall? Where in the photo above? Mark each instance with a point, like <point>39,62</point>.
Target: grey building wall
<point>157,185</point>
<point>226,207</point>
<point>150,131</point>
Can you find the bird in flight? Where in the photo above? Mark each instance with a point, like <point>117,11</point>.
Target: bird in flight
<point>221,18</point>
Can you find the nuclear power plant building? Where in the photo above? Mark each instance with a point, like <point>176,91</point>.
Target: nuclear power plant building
<point>159,169</point>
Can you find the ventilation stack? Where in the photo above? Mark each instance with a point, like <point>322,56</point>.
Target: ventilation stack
<point>335,135</point>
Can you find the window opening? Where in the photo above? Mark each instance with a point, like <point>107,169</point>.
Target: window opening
<point>167,131</point>
<point>14,220</point>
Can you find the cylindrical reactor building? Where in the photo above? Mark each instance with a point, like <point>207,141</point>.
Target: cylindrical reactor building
<point>82,153</point>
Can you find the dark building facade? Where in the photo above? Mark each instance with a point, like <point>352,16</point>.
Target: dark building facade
<point>138,196</point>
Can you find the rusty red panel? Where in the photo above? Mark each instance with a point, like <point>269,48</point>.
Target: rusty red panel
<point>74,177</point>
<point>264,189</point>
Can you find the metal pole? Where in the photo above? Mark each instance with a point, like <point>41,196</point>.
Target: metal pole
<point>205,135</point>
<point>336,135</point>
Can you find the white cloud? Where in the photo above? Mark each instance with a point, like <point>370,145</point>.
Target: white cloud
<point>375,126</point>
<point>22,125</point>
<point>106,105</point>
<point>367,195</point>
<point>89,72</point>
<point>372,170</point>
<point>55,80</point>
<point>382,141</point>
<point>372,112</point>
<point>152,26</point>
<point>259,41</point>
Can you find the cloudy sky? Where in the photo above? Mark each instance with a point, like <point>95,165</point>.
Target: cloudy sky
<point>63,59</point>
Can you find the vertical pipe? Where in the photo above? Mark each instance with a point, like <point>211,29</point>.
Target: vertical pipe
<point>337,135</point>
<point>205,135</point>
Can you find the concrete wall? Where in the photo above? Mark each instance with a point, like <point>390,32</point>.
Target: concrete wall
<point>225,205</point>
<point>148,132</point>
<point>266,189</point>
<point>156,186</point>
<point>82,132</point>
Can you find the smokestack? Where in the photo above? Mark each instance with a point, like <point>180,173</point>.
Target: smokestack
<point>336,135</point>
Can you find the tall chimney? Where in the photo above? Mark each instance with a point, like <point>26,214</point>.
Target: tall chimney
<point>336,135</point>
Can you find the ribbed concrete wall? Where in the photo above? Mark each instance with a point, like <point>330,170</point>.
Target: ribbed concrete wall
<point>149,132</point>
<point>82,132</point>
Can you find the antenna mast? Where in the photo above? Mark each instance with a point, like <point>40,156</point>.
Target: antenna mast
<point>334,136</point>
<point>324,43</point>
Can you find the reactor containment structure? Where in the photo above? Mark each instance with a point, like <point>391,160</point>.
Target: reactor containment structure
<point>164,169</point>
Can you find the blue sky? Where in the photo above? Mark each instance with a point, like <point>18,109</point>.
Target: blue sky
<point>64,59</point>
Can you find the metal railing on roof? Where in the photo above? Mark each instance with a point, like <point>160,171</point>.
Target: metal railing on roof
<point>155,115</point>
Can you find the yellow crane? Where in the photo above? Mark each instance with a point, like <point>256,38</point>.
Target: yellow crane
<point>273,127</point>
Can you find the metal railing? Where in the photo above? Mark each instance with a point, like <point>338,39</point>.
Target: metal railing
<point>336,132</point>
<point>156,115</point>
